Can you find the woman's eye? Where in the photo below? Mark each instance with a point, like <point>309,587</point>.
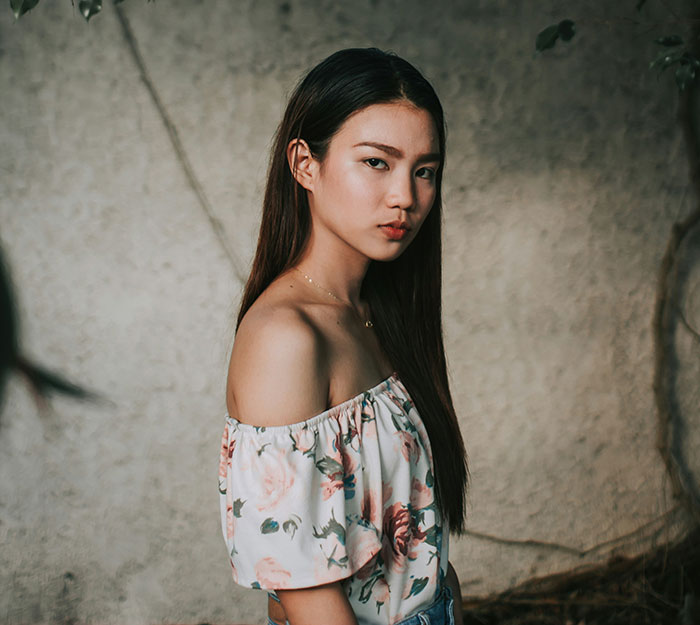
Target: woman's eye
<point>375,163</point>
<point>426,172</point>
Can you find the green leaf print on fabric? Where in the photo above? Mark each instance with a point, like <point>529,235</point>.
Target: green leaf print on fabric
<point>366,588</point>
<point>332,527</point>
<point>431,535</point>
<point>369,463</point>
<point>349,486</point>
<point>342,563</point>
<point>305,441</point>
<point>417,586</point>
<point>328,466</point>
<point>290,526</point>
<point>418,516</point>
<point>367,414</point>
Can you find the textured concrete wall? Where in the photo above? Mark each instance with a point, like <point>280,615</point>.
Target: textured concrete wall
<point>564,176</point>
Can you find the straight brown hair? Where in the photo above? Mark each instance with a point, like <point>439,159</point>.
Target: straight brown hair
<point>404,295</point>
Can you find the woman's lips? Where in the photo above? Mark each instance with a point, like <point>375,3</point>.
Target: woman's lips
<point>394,233</point>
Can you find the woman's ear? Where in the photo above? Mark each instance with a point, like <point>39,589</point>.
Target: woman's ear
<point>301,162</point>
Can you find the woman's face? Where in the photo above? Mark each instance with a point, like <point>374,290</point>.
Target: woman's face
<point>377,182</point>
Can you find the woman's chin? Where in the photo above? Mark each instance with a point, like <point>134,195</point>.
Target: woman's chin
<point>385,256</point>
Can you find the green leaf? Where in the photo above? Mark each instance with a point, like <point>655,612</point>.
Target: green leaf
<point>547,38</point>
<point>685,75</point>
<point>431,536</point>
<point>640,4</point>
<point>567,30</point>
<point>20,7</point>
<point>237,505</point>
<point>333,526</point>
<point>689,58</point>
<point>269,526</point>
<point>290,527</point>
<point>417,586</point>
<point>330,467</point>
<point>666,59</point>
<point>89,8</point>
<point>669,41</point>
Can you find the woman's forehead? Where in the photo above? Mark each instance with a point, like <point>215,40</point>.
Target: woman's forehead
<point>401,125</point>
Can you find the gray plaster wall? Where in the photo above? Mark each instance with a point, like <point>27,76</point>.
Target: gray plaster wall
<point>564,176</point>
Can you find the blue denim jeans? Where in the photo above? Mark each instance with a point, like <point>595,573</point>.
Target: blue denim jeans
<point>440,612</point>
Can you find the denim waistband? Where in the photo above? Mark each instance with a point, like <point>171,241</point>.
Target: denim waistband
<point>440,612</point>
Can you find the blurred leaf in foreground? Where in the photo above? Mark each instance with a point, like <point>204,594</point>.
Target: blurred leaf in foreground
<point>43,382</point>
<point>20,7</point>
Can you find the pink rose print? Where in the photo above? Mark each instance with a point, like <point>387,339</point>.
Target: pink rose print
<point>350,464</point>
<point>366,570</point>
<point>397,536</point>
<point>230,527</point>
<point>304,439</point>
<point>409,446</point>
<point>396,400</point>
<point>270,573</point>
<point>357,425</point>
<point>275,480</point>
<point>368,424</point>
<point>371,508</point>
<point>226,453</point>
<point>401,537</point>
<point>329,487</point>
<point>380,592</point>
<point>420,495</point>
<point>387,492</point>
<point>362,546</point>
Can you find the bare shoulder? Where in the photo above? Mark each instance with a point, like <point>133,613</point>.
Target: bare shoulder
<point>278,371</point>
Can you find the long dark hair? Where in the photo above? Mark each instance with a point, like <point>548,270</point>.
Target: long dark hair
<point>404,295</point>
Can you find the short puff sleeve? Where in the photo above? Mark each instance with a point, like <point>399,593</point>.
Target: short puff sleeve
<point>294,499</point>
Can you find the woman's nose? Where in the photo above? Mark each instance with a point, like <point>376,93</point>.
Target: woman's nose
<point>401,193</point>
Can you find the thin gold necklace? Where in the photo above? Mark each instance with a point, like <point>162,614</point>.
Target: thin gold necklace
<point>368,322</point>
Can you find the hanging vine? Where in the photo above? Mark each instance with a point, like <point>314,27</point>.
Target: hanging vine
<point>683,55</point>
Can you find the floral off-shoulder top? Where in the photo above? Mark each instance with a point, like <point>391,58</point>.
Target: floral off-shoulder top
<point>345,495</point>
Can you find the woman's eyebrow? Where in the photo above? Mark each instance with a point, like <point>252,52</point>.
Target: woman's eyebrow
<point>389,149</point>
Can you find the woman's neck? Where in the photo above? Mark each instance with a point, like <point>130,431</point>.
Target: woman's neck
<point>336,267</point>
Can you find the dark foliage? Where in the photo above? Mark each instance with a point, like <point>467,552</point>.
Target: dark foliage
<point>659,588</point>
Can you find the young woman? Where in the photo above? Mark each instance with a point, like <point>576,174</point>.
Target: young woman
<point>342,464</point>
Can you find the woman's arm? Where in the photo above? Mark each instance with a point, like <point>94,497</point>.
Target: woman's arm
<point>319,605</point>
<point>278,375</point>
<point>452,581</point>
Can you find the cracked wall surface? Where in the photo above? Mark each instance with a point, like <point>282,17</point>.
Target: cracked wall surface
<point>564,176</point>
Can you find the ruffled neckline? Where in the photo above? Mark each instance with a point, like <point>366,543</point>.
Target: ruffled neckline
<point>331,412</point>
